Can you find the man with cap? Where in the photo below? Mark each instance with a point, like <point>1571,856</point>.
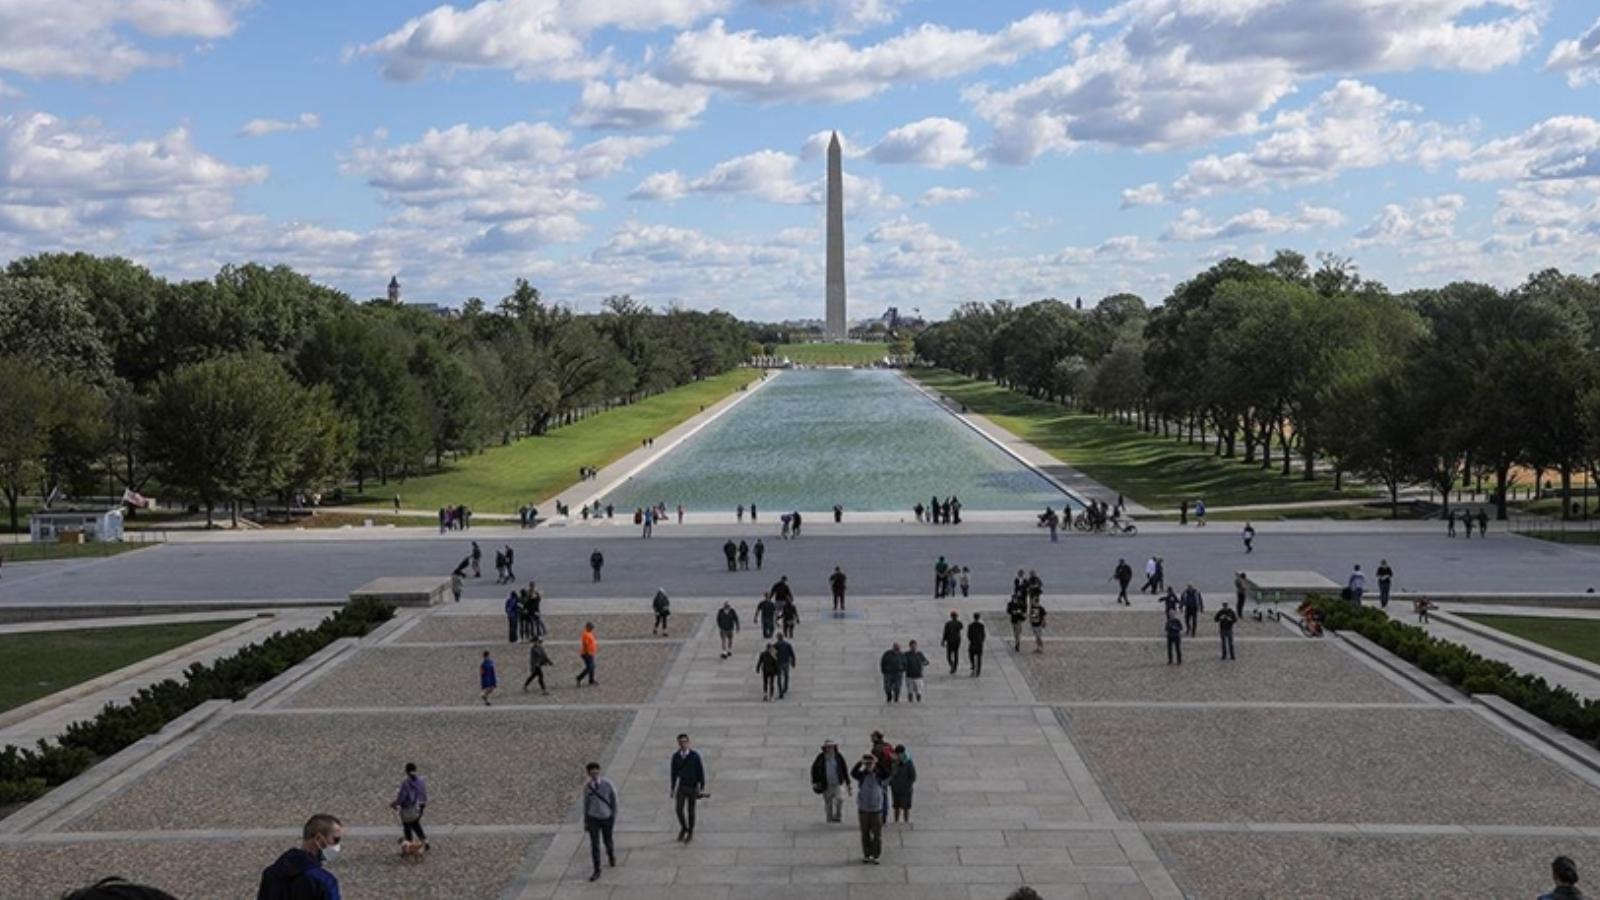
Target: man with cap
<point>828,777</point>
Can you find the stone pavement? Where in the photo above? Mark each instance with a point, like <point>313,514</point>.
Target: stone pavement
<point>1090,770</point>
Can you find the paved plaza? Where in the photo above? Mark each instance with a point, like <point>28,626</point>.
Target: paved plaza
<point>1090,770</point>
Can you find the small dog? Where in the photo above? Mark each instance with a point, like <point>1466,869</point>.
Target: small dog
<point>412,851</point>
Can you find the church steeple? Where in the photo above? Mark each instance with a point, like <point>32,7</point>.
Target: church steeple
<point>394,290</point>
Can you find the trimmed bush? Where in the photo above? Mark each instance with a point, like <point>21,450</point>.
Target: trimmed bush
<point>27,774</point>
<point>1460,667</point>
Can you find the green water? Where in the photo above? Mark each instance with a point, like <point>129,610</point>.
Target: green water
<point>864,439</point>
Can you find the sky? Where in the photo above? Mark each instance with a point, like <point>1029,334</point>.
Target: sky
<point>674,149</point>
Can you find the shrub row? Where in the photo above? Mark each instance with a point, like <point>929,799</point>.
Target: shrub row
<point>1461,668</point>
<point>27,774</point>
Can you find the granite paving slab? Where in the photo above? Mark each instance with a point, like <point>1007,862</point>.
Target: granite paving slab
<point>457,867</point>
<point>1361,867</point>
<point>258,771</point>
<point>1296,671</point>
<point>447,627</point>
<point>403,676</point>
<point>1371,765</point>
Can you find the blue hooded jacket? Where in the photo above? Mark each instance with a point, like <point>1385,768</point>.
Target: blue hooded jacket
<point>297,875</point>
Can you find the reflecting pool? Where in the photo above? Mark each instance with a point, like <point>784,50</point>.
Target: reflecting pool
<point>865,439</point>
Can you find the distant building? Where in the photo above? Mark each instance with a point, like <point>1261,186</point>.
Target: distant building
<point>73,525</point>
<point>394,290</point>
<point>438,309</point>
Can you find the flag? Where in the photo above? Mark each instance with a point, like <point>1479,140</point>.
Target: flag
<point>135,499</point>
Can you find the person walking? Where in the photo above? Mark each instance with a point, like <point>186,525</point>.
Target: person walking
<point>902,781</point>
<point>687,784</point>
<point>1226,618</point>
<point>1466,519</point>
<point>1174,641</point>
<point>1036,622</point>
<point>1564,872</point>
<point>411,800</point>
<point>1193,605</point>
<point>829,777</point>
<point>767,616</point>
<point>599,816</point>
<point>1483,524</point>
<point>1123,576</point>
<point>786,661</point>
<point>1151,575</point>
<point>741,514</point>
<point>513,615</point>
<point>1017,613</point>
<point>727,626</point>
<point>588,649</point>
<point>870,802</point>
<point>951,641</point>
<point>744,555</point>
<point>730,552</point>
<point>1241,588</point>
<point>965,580</point>
<point>510,564</point>
<point>487,681</point>
<point>477,558</point>
<point>915,663</point>
<point>788,616</point>
<point>836,584</point>
<point>662,606</point>
<point>538,658</point>
<point>1385,582</point>
<point>596,561</point>
<point>1249,536</point>
<point>1183,513</point>
<point>1199,514</point>
<point>1170,603</point>
<point>893,666</point>
<point>302,872</point>
<point>977,632</point>
<point>767,664</point>
<point>1450,524</point>
<point>941,570</point>
<point>1356,585</point>
<point>456,585</point>
<point>1054,524</point>
<point>760,548</point>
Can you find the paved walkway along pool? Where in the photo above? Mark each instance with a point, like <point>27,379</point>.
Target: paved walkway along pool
<point>864,439</point>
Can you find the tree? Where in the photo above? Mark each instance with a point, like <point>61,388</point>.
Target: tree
<point>120,297</point>
<point>27,413</point>
<point>362,357</point>
<point>51,324</point>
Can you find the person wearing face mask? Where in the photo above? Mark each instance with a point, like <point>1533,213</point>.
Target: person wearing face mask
<point>301,872</point>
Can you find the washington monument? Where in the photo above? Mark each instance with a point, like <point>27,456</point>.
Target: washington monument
<point>837,328</point>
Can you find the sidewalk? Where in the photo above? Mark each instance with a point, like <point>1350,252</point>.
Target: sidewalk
<point>1441,626</point>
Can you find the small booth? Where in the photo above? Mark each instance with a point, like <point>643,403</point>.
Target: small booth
<point>74,526</point>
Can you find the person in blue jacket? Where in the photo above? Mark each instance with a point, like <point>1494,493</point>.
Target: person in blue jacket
<point>301,872</point>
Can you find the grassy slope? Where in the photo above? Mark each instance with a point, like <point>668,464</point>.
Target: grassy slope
<point>1574,637</point>
<point>34,665</point>
<point>1158,472</point>
<point>537,468</point>
<point>821,354</point>
<point>22,551</point>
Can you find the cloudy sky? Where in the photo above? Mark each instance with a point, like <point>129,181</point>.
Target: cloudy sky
<point>672,149</point>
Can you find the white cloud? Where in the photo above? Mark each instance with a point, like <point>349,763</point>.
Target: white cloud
<point>1427,219</point>
<point>1351,126</point>
<point>1147,194</point>
<point>1184,72</point>
<point>934,142</point>
<point>640,102</point>
<point>825,68</point>
<point>1579,58</point>
<point>936,196</point>
<point>64,177</point>
<point>767,175</point>
<point>1562,147</point>
<point>264,127</point>
<point>1193,225</point>
<point>95,38</point>
<point>1122,248</point>
<point>536,39</point>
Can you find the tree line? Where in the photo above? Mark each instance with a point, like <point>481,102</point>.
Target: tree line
<point>1292,367</point>
<point>262,383</point>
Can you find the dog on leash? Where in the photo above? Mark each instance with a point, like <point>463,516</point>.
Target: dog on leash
<point>412,851</point>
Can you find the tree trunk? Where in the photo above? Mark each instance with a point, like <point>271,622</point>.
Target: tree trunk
<point>1310,461</point>
<point>1283,445</point>
<point>211,521</point>
<point>1502,474</point>
<point>1338,478</point>
<point>1566,491</point>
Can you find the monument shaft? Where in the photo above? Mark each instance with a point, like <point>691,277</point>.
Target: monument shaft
<point>837,328</point>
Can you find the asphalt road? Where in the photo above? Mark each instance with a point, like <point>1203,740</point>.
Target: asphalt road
<point>897,564</point>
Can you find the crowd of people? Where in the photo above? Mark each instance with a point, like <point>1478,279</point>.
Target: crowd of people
<point>939,512</point>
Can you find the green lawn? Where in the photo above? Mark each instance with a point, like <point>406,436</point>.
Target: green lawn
<point>1556,536</point>
<point>1574,637</point>
<point>37,664</point>
<point>537,468</point>
<point>23,551</point>
<point>1157,472</point>
<point>822,354</point>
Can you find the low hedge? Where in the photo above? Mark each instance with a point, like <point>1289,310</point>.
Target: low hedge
<point>1460,667</point>
<point>27,774</point>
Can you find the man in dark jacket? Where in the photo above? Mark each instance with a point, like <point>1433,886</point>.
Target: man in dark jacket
<point>1225,619</point>
<point>688,773</point>
<point>829,776</point>
<point>300,873</point>
<point>1017,612</point>
<point>951,641</point>
<point>767,616</point>
<point>836,583</point>
<point>786,661</point>
<point>1123,575</point>
<point>1174,641</point>
<point>977,632</point>
<point>727,625</point>
<point>893,666</point>
<point>915,662</point>
<point>730,550</point>
<point>744,555</point>
<point>1193,604</point>
<point>596,561</point>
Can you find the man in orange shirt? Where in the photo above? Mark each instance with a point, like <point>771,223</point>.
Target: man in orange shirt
<point>587,649</point>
